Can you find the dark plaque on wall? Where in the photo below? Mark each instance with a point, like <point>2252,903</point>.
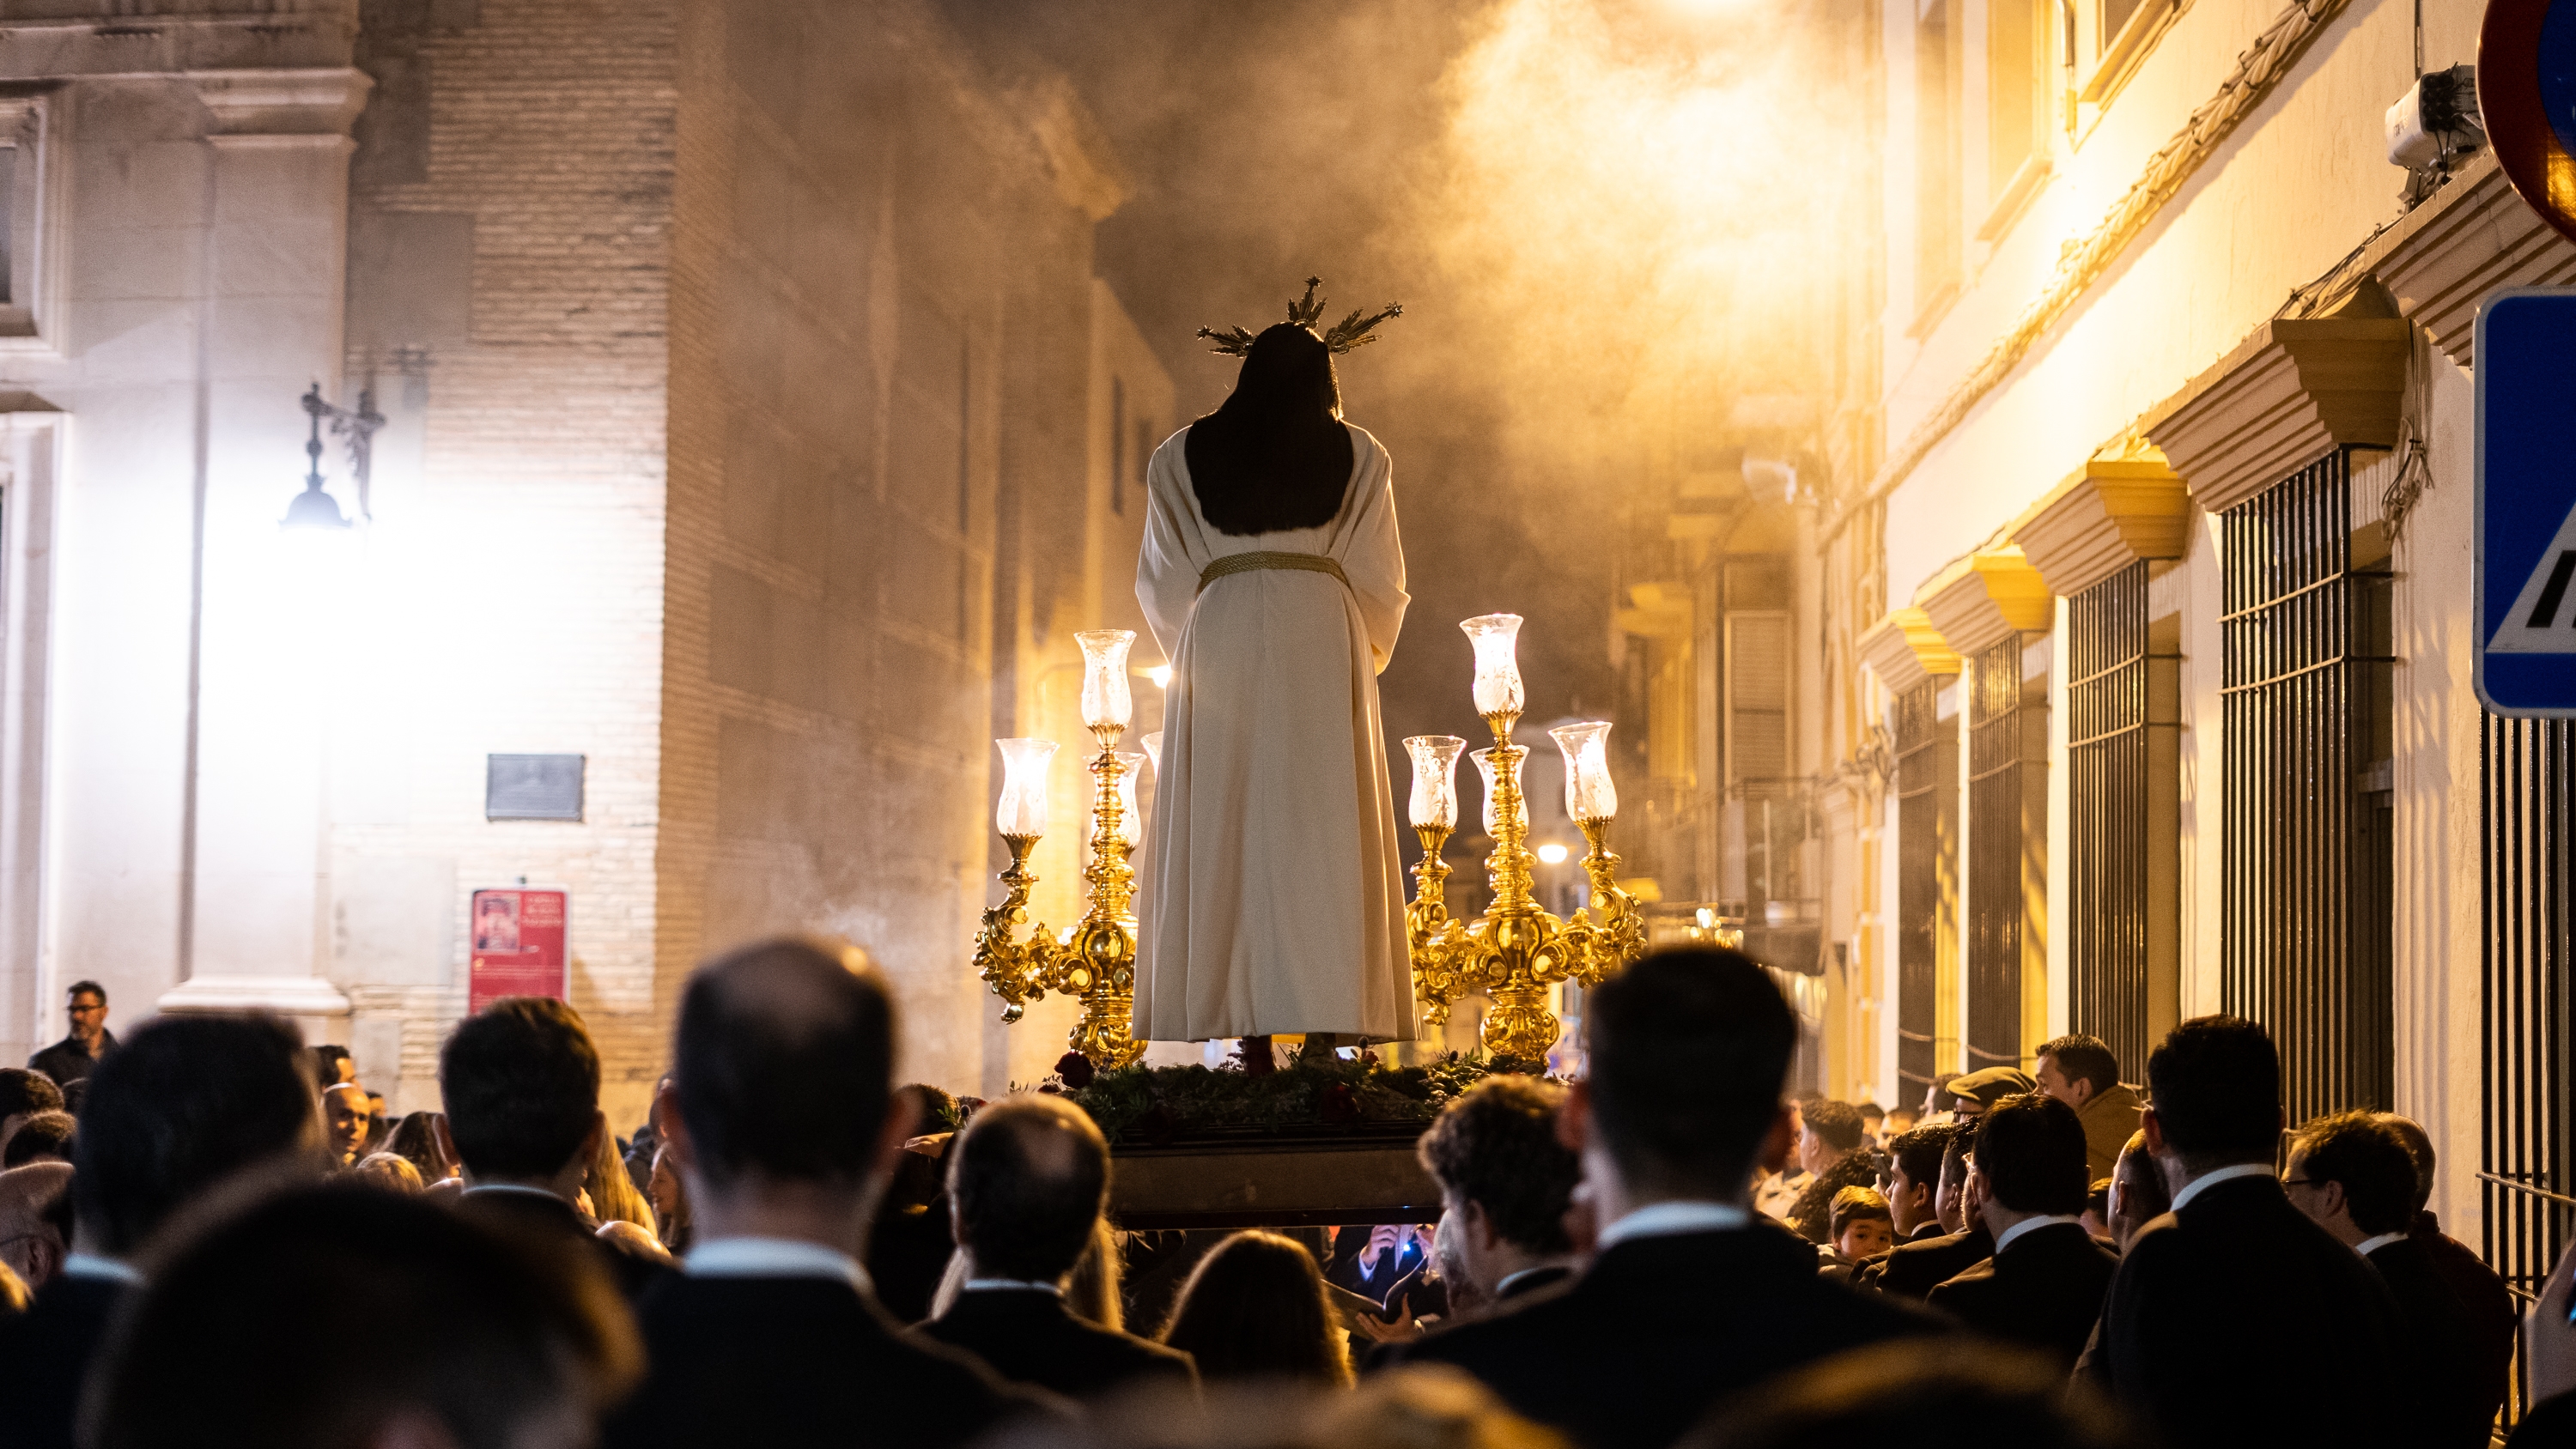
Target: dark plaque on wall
<point>532,787</point>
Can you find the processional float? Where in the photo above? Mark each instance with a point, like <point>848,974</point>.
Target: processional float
<point>1513,954</point>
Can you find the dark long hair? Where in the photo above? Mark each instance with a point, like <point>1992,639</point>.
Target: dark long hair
<point>1274,455</point>
<point>1254,1308</point>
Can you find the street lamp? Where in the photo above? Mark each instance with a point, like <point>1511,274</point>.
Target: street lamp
<point>314,508</point>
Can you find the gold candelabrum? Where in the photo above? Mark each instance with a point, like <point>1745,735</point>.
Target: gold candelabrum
<point>1516,951</point>
<point>1094,960</point>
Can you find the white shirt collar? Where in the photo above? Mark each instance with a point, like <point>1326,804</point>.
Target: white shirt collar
<point>1671,1219</point>
<point>110,1270</point>
<point>2368,1246</point>
<point>2206,1180</point>
<point>1009,1285</point>
<point>2008,1236</point>
<point>774,1258</point>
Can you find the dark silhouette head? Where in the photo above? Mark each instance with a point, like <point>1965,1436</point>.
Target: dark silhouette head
<point>186,1102</point>
<point>2217,1087</point>
<point>1274,455</point>
<point>483,1340</point>
<point>2030,1149</point>
<point>1689,1049</point>
<point>782,1063</point>
<point>1254,1308</point>
<point>1027,1180</point>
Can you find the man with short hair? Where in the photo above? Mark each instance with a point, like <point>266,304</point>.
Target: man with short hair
<point>521,1082</point>
<point>1689,1299</point>
<point>2080,1071</point>
<point>1505,1184</point>
<point>346,1114</point>
<point>2224,1304</point>
<point>1833,1146</point>
<point>1910,1179</point>
<point>1027,1181</point>
<point>77,1055</point>
<point>1913,1267</point>
<point>1977,1092</point>
<point>24,1092</point>
<point>2354,1178</point>
<point>780,1116</point>
<point>2044,1285</point>
<point>2138,1194</point>
<point>345,1315</point>
<point>1873,1122</point>
<point>190,1102</point>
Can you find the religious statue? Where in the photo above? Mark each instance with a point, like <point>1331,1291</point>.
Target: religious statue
<point>1274,581</point>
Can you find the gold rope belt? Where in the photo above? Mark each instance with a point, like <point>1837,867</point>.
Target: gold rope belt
<point>1244,563</point>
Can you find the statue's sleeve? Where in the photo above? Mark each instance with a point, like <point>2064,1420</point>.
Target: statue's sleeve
<point>1166,580</point>
<point>1374,559</point>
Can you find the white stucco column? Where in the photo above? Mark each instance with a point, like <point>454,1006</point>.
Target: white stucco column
<point>272,605</point>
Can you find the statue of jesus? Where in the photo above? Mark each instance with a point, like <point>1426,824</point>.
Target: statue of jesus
<point>1273,578</point>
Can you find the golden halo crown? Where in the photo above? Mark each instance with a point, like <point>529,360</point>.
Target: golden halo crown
<point>1355,330</point>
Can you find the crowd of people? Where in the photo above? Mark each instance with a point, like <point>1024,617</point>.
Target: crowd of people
<point>211,1234</point>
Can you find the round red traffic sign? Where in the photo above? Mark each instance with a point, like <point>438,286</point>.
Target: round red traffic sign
<point>2527,97</point>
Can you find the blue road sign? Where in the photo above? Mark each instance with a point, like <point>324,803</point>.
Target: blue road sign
<point>2524,565</point>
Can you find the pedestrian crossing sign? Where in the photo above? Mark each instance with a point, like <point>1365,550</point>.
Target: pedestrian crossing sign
<point>2524,560</point>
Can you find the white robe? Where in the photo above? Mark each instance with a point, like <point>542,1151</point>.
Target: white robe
<point>1272,898</point>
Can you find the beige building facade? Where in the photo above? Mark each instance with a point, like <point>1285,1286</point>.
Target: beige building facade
<point>754,434</point>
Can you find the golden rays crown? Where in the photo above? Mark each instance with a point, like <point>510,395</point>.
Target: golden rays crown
<point>1356,330</point>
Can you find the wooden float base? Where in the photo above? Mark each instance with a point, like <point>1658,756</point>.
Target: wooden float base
<point>1308,1183</point>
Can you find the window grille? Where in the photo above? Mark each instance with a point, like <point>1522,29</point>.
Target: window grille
<point>2007,847</point>
<point>2307,926</point>
<point>1927,826</point>
<point>2527,791</point>
<point>2121,703</point>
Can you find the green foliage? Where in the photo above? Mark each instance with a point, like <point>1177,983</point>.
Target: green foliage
<point>1317,1095</point>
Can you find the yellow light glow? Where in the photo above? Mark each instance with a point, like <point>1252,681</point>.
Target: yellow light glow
<point>1161,674</point>
<point>1551,854</point>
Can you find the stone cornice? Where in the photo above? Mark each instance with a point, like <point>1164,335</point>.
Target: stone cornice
<point>2474,236</point>
<point>321,102</point>
<point>1986,598</point>
<point>2109,514</point>
<point>1904,649</point>
<point>2295,390</point>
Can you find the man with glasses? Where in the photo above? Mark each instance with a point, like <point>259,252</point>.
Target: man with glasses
<point>75,1056</point>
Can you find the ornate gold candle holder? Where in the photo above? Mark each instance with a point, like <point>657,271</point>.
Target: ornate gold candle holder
<point>1516,951</point>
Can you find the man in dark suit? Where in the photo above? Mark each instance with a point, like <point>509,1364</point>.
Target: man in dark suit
<point>87,1044</point>
<point>2493,1317</point>
<point>2354,1178</point>
<point>1912,1268</point>
<point>2234,1322</point>
<point>1910,1181</point>
<point>185,1104</point>
<point>1505,1184</point>
<point>521,1082</point>
<point>2044,1285</point>
<point>779,1116</point>
<point>1027,1181</point>
<point>1689,1298</point>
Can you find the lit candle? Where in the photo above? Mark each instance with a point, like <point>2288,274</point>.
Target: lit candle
<point>1435,780</point>
<point>1131,821</point>
<point>1589,795</point>
<point>1106,701</point>
<point>1023,811</point>
<point>1498,672</point>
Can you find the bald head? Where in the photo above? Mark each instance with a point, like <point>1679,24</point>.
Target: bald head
<point>782,1063</point>
<point>1026,1182</point>
<point>32,1213</point>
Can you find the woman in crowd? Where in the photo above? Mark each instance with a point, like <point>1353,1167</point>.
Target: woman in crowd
<point>1255,1308</point>
<point>612,1194</point>
<point>415,1139</point>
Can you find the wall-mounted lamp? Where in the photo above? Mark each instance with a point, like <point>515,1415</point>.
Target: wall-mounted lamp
<point>314,508</point>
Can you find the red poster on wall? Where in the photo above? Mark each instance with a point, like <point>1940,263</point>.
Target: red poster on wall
<point>518,939</point>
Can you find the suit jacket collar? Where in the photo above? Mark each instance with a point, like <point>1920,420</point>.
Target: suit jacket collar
<point>1531,1280</point>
